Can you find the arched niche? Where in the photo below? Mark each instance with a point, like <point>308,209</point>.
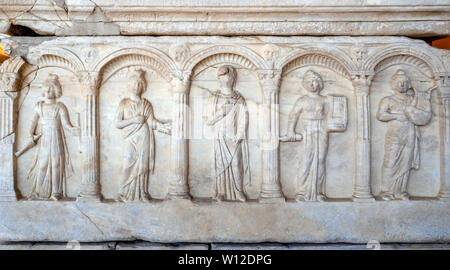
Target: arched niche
<point>30,94</point>
<point>340,159</point>
<point>114,88</point>
<point>201,144</point>
<point>425,181</point>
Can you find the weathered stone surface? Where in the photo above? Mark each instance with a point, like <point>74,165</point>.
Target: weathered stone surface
<point>159,246</point>
<point>217,139</point>
<point>230,17</point>
<point>185,221</point>
<point>71,245</point>
<point>369,246</point>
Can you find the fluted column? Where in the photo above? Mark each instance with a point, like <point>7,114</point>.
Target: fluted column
<point>444,192</point>
<point>90,188</point>
<point>179,162</point>
<point>9,87</point>
<point>361,189</point>
<point>271,187</point>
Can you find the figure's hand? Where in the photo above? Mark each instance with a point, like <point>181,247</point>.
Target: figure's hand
<point>290,136</point>
<point>401,117</point>
<point>166,128</point>
<point>139,119</point>
<point>209,121</point>
<point>34,137</point>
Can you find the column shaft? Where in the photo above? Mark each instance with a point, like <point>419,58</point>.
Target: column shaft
<point>271,187</point>
<point>91,172</point>
<point>179,164</point>
<point>444,193</point>
<point>361,189</point>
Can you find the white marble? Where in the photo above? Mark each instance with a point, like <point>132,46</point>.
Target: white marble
<point>284,139</point>
<point>229,17</point>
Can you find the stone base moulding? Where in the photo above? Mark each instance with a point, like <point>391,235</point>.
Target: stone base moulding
<point>204,222</point>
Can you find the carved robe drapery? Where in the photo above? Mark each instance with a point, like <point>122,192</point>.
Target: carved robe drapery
<point>229,116</point>
<point>52,163</point>
<point>139,149</point>
<point>312,112</point>
<point>401,149</point>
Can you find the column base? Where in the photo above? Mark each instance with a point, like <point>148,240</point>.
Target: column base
<point>271,200</point>
<point>444,196</point>
<point>363,198</point>
<point>88,198</point>
<point>179,196</point>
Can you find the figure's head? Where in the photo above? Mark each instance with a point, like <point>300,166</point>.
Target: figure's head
<point>312,81</point>
<point>51,88</point>
<point>400,82</point>
<point>227,76</point>
<point>137,83</point>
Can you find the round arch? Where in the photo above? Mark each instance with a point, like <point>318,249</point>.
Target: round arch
<point>237,55</point>
<point>124,58</point>
<point>429,64</point>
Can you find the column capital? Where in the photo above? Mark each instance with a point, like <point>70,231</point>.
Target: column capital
<point>444,85</point>
<point>91,80</point>
<point>12,95</point>
<point>9,74</point>
<point>269,74</point>
<point>361,82</point>
<point>181,81</point>
<point>444,79</point>
<point>270,79</point>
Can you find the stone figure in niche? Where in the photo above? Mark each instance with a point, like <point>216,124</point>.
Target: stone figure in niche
<point>404,111</point>
<point>229,119</point>
<point>136,120</point>
<point>318,115</point>
<point>52,164</point>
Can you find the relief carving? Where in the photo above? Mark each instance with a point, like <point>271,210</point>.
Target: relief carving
<point>318,115</point>
<point>404,111</point>
<point>180,52</point>
<point>136,120</point>
<point>52,163</point>
<point>10,82</point>
<point>229,119</point>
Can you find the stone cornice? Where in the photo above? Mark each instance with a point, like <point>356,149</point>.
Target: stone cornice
<point>230,17</point>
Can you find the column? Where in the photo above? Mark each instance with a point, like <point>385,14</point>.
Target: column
<point>271,187</point>
<point>179,162</point>
<point>361,189</point>
<point>9,87</point>
<point>444,193</point>
<point>90,189</point>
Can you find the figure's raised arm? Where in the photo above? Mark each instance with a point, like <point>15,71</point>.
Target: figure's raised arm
<point>120,122</point>
<point>213,115</point>
<point>160,126</point>
<point>384,114</point>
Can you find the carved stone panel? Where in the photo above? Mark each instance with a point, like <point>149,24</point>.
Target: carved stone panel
<point>200,139</point>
